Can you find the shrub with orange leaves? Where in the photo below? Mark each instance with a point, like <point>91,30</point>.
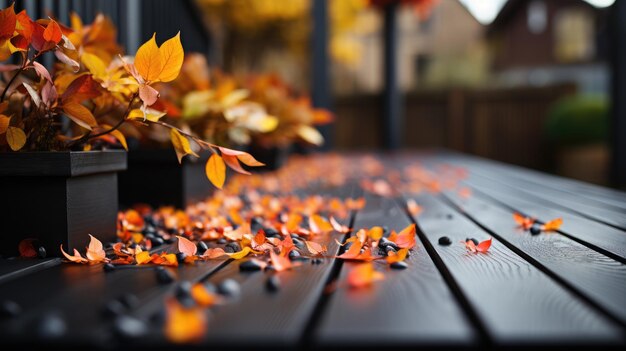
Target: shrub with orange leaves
<point>95,89</point>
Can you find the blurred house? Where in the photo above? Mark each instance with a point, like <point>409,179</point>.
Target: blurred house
<point>540,42</point>
<point>447,48</point>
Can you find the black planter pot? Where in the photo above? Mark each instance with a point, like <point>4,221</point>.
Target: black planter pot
<point>155,177</point>
<point>58,198</point>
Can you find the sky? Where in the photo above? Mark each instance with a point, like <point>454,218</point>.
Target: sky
<point>486,10</point>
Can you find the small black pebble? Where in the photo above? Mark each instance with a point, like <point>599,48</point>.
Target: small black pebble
<point>249,266</point>
<point>389,249</point>
<point>51,326</point>
<point>234,246</point>
<point>272,284</point>
<point>269,267</point>
<point>180,257</point>
<point>202,247</point>
<point>222,241</point>
<point>158,317</point>
<point>386,231</point>
<point>294,236</point>
<point>229,287</point>
<point>210,287</point>
<point>157,242</point>
<point>445,241</point>
<point>41,252</point>
<point>535,230</point>
<point>317,261</point>
<point>113,308</point>
<point>449,216</point>
<point>129,328</point>
<point>293,254</point>
<point>9,309</point>
<point>183,289</point>
<point>271,232</point>
<point>399,265</point>
<point>129,300</point>
<point>256,224</point>
<point>164,276</point>
<point>228,249</point>
<point>133,245</point>
<point>472,239</point>
<point>108,267</point>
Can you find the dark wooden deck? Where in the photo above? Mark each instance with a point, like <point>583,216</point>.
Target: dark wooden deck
<point>562,290</point>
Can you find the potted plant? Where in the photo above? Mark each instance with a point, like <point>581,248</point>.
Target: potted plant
<point>59,133</point>
<point>205,103</point>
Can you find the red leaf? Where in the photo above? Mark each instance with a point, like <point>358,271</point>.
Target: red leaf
<point>280,263</point>
<point>233,163</point>
<point>523,222</point>
<point>27,249</point>
<point>406,238</point>
<point>7,22</point>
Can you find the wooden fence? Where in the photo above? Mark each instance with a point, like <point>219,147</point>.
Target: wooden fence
<point>502,124</point>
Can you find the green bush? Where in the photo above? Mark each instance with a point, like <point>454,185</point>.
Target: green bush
<point>578,120</point>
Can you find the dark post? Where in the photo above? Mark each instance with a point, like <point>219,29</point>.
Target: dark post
<point>320,86</point>
<point>393,115</point>
<point>618,98</point>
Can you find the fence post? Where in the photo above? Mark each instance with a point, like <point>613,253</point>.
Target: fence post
<point>320,85</point>
<point>392,119</point>
<point>618,91</point>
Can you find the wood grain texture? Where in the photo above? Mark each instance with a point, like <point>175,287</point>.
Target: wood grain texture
<point>68,164</point>
<point>596,276</point>
<point>17,267</point>
<point>78,293</point>
<point>412,307</point>
<point>554,195</point>
<point>606,238</point>
<point>517,302</point>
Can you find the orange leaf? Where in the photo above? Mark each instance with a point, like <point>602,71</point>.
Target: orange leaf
<point>184,325</point>
<point>397,257</point>
<point>233,163</point>
<point>338,226</point>
<point>552,225</point>
<point>363,275</point>
<point>143,257</point>
<point>172,56</point>
<point>52,33</point>
<point>80,114</point>
<point>524,222</point>
<point>482,247</point>
<point>185,246</point>
<point>375,233</point>
<point>315,248</point>
<point>148,60</point>
<point>7,22</point>
<point>406,238</point>
<point>216,170</point>
<point>95,252</point>
<point>76,258</point>
<point>214,253</point>
<point>353,252</point>
<point>244,157</point>
<point>355,204</point>
<point>319,225</point>
<point>15,138</point>
<point>413,207</point>
<point>202,296</point>
<point>280,263</point>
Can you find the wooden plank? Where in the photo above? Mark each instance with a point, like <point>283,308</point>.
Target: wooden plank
<point>600,237</point>
<point>412,307</point>
<point>597,277</point>
<point>612,197</point>
<point>78,293</point>
<point>17,267</point>
<point>518,303</point>
<point>556,197</point>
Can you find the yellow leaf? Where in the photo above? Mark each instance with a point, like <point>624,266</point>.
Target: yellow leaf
<point>95,65</point>
<point>148,60</point>
<point>79,114</point>
<point>181,145</point>
<point>240,254</point>
<point>120,137</point>
<point>16,138</point>
<point>151,115</point>
<point>310,135</point>
<point>143,257</point>
<point>4,123</point>
<point>172,55</point>
<point>216,170</point>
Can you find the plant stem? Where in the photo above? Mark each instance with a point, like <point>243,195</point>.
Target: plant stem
<point>4,93</point>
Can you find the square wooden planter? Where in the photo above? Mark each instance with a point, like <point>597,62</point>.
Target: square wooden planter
<point>59,198</point>
<point>155,177</point>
